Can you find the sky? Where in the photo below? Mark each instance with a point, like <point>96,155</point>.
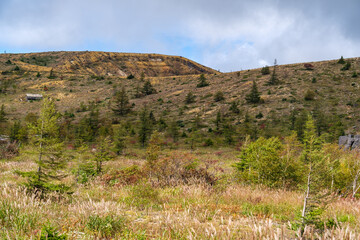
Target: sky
<point>227,35</point>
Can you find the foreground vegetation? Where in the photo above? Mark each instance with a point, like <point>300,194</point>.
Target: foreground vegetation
<point>119,204</point>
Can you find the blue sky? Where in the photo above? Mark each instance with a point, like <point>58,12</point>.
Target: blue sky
<point>226,35</point>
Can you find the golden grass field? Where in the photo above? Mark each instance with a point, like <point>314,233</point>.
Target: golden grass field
<point>146,210</point>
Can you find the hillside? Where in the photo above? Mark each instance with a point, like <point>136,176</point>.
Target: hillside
<point>335,91</point>
<point>103,63</point>
<point>211,165</point>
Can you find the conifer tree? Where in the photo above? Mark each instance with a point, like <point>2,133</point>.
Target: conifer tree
<point>190,98</point>
<point>202,81</point>
<point>51,74</point>
<point>49,149</point>
<point>102,153</point>
<point>145,126</point>
<point>341,60</point>
<point>122,104</point>
<point>218,121</point>
<point>148,88</point>
<point>174,131</point>
<point>254,95</point>
<point>273,79</point>
<point>265,70</point>
<point>234,107</point>
<point>119,140</point>
<point>14,131</point>
<point>153,150</point>
<point>2,113</point>
<point>317,176</point>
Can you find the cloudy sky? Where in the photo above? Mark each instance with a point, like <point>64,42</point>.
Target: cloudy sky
<point>226,35</point>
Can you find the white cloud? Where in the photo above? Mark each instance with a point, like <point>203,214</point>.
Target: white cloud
<point>227,35</point>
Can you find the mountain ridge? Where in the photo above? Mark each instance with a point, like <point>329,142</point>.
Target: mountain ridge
<point>106,63</point>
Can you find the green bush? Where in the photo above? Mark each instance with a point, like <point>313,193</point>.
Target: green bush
<point>190,98</point>
<point>143,195</point>
<point>208,142</point>
<point>105,227</point>
<point>341,60</point>
<point>260,115</point>
<point>50,233</point>
<point>130,76</point>
<point>346,66</point>
<point>265,70</point>
<point>202,82</point>
<point>309,95</point>
<point>219,96</point>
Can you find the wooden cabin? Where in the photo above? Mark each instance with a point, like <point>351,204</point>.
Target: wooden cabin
<point>30,96</point>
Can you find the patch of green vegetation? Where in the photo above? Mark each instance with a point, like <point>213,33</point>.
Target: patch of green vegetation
<point>39,60</point>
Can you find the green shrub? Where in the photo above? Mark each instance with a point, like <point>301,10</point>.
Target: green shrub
<point>309,95</point>
<point>219,96</point>
<point>208,142</point>
<point>346,66</point>
<point>202,82</point>
<point>50,233</point>
<point>143,195</point>
<point>130,76</point>
<point>190,98</point>
<point>259,115</point>
<point>341,60</point>
<point>265,70</point>
<point>105,227</point>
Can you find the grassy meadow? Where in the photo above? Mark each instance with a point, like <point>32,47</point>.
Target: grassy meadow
<point>122,203</point>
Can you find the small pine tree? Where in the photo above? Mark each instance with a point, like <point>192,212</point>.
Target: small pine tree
<point>102,153</point>
<point>51,74</point>
<point>234,107</point>
<point>273,79</point>
<point>148,88</point>
<point>218,121</point>
<point>202,81</point>
<point>174,131</point>
<point>341,60</point>
<point>49,149</point>
<point>219,96</point>
<point>122,103</point>
<point>142,76</point>
<point>2,113</point>
<point>119,141</point>
<point>153,150</point>
<point>138,92</point>
<point>145,127</point>
<point>190,98</point>
<point>152,118</point>
<point>38,75</point>
<point>254,95</point>
<point>14,131</point>
<point>265,70</point>
<point>317,173</point>
<point>346,66</point>
<point>309,95</point>
<point>130,76</point>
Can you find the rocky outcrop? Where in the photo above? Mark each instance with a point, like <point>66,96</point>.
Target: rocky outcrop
<point>350,141</point>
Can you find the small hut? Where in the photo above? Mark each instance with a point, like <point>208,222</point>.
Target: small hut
<point>30,96</point>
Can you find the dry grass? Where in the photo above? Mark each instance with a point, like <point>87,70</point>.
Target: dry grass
<point>227,210</point>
